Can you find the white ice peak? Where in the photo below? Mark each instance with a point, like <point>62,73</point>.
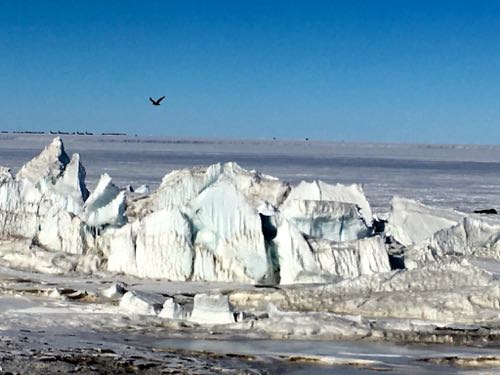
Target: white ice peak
<point>50,163</point>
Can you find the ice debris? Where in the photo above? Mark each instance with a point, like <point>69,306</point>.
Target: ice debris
<point>411,222</point>
<point>173,310</point>
<point>142,303</point>
<point>321,191</point>
<point>143,189</point>
<point>219,223</point>
<point>212,309</point>
<point>115,290</point>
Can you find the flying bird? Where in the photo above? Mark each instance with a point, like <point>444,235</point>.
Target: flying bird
<point>157,101</point>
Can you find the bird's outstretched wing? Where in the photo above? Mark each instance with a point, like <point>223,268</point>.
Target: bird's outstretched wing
<point>152,101</point>
<point>159,100</point>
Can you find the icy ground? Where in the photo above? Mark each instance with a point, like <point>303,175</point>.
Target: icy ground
<point>159,266</point>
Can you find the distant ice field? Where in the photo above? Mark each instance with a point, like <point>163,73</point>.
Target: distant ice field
<point>464,177</point>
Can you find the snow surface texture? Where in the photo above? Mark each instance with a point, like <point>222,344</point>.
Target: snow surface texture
<point>220,223</point>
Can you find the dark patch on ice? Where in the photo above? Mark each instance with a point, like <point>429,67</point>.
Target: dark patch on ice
<point>270,286</point>
<point>269,231</point>
<point>397,262</point>
<point>489,211</point>
<point>460,327</point>
<point>378,226</point>
<point>395,251</point>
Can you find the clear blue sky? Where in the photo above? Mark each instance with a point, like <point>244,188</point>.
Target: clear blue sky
<point>411,71</point>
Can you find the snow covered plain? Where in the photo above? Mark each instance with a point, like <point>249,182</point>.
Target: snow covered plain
<point>223,252</point>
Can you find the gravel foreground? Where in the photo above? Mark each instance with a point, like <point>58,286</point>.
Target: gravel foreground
<point>20,356</point>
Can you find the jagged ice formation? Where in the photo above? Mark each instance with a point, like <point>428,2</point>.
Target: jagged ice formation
<point>219,223</point>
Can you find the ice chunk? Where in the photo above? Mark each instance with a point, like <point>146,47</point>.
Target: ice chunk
<point>73,180</point>
<point>115,290</point>
<point>142,303</point>
<point>351,259</point>
<point>411,222</point>
<point>172,310</point>
<point>24,255</point>
<point>19,203</point>
<point>118,244</point>
<point>106,205</point>
<point>469,237</point>
<point>321,191</point>
<point>68,191</point>
<point>143,189</point>
<point>309,260</point>
<point>44,198</point>
<point>212,309</point>
<point>287,324</point>
<point>157,246</point>
<point>181,186</point>
<point>163,246</point>
<point>50,163</point>
<point>89,263</point>
<point>258,188</point>
<point>40,213</point>
<point>178,188</point>
<point>334,221</point>
<point>228,244</point>
<point>60,230</point>
<point>450,291</point>
<point>5,175</point>
<point>294,255</point>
